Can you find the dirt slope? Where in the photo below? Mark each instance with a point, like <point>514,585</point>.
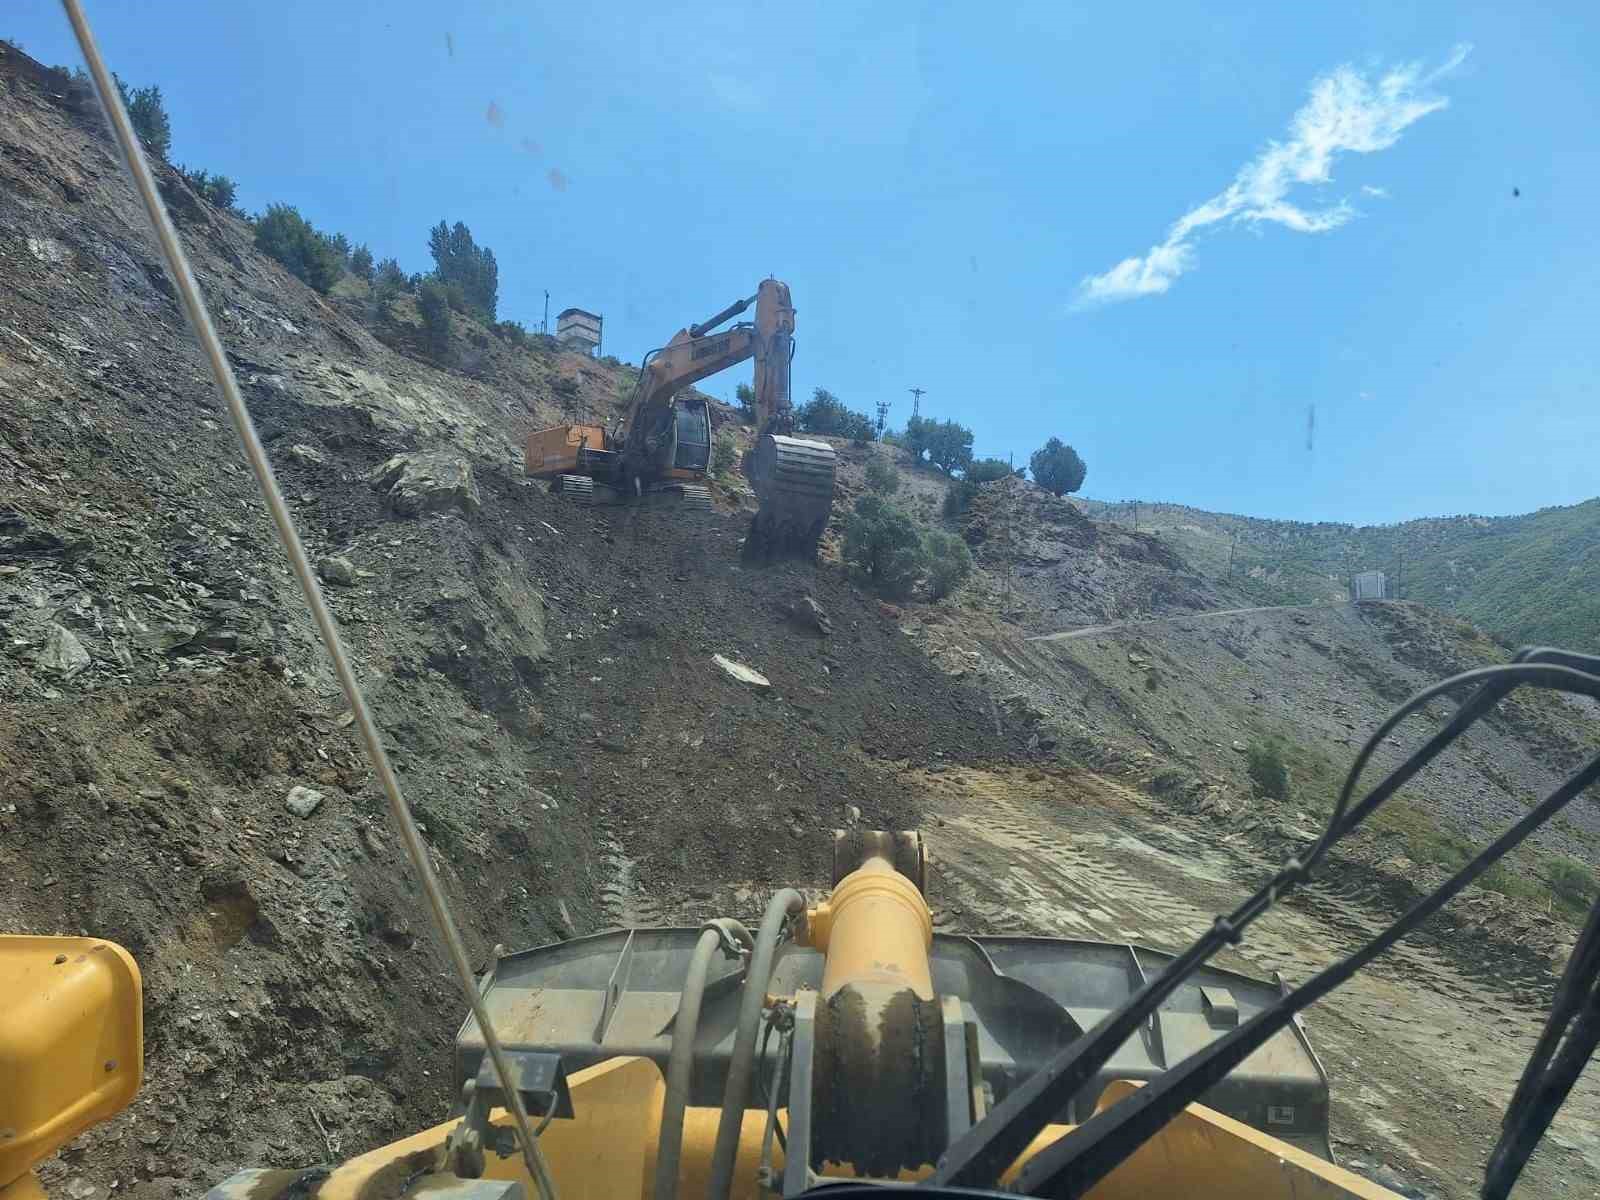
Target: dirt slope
<point>544,677</point>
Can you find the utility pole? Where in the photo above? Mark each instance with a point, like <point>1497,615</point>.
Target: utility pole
<point>545,328</point>
<point>916,401</point>
<point>883,417</point>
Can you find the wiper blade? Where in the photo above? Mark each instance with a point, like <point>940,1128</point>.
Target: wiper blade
<point>1565,1046</point>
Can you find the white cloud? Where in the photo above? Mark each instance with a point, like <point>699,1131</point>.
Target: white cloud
<point>1379,193</point>
<point>1348,112</point>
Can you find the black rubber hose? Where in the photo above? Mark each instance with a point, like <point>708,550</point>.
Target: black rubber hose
<point>784,904</point>
<point>680,1063</point>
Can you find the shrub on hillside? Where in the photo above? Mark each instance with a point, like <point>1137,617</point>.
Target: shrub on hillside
<point>724,453</point>
<point>361,263</point>
<point>217,190</point>
<point>949,562</point>
<point>1572,881</point>
<point>148,115</point>
<point>826,413</point>
<point>512,331</point>
<point>288,237</point>
<point>958,497</point>
<point>882,547</point>
<point>1268,772</point>
<point>986,470</point>
<point>1057,468</point>
<point>882,477</point>
<point>388,280</point>
<point>434,305</point>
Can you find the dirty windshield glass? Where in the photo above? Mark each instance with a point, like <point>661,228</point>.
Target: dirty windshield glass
<point>992,470</point>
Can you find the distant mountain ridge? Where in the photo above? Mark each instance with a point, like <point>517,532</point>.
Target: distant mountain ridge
<point>1528,578</point>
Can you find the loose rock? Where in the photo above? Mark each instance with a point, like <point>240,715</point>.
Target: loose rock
<point>337,569</point>
<point>303,801</point>
<point>62,654</point>
<point>741,672</point>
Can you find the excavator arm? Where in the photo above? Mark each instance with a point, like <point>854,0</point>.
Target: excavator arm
<point>793,478</point>
<point>697,352</point>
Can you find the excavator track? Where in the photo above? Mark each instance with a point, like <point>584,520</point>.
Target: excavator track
<point>577,488</point>
<point>794,480</point>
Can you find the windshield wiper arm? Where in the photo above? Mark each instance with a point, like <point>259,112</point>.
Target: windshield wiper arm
<point>1075,1162</point>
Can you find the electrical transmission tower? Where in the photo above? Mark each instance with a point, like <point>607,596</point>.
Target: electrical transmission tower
<point>916,401</point>
<point>883,417</point>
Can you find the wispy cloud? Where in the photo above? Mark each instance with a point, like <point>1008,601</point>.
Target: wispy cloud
<point>1348,113</point>
<point>1377,193</point>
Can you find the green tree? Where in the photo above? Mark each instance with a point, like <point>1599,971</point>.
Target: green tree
<point>882,547</point>
<point>460,261</point>
<point>949,562</point>
<point>361,263</point>
<point>986,470</point>
<point>148,116</point>
<point>1057,468</point>
<point>918,432</point>
<point>950,447</point>
<point>745,395</point>
<point>1267,770</point>
<point>388,280</point>
<point>434,306</point>
<point>826,413</point>
<point>288,237</point>
<point>882,478</point>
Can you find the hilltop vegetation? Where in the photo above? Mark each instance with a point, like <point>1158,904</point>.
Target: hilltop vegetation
<point>1529,578</point>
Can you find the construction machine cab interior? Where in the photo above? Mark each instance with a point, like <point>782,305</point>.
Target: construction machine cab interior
<point>71,1044</point>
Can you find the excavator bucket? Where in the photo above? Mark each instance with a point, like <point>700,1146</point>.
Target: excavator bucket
<point>793,479</point>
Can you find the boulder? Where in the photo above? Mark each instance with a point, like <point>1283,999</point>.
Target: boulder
<point>427,481</point>
<point>808,614</point>
<point>62,653</point>
<point>336,568</point>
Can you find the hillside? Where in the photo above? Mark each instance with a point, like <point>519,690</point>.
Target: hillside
<point>1533,578</point>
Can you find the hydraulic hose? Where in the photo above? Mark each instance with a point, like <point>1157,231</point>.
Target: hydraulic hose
<point>784,904</point>
<point>680,1064</point>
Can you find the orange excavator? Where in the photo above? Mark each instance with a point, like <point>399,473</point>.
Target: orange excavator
<point>661,445</point>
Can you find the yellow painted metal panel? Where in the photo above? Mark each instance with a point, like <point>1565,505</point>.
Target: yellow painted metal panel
<point>71,1042</point>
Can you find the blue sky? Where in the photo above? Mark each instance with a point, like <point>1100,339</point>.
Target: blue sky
<point>942,185</point>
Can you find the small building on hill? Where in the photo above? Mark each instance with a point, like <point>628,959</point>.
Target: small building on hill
<point>1368,585</point>
<point>578,329</point>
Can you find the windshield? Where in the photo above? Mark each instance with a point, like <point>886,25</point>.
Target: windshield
<point>1087,425</point>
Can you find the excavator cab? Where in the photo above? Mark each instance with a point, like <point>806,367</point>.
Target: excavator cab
<point>691,441</point>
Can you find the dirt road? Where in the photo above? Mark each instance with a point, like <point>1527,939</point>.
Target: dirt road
<point>1423,1049</point>
<point>1068,635</point>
